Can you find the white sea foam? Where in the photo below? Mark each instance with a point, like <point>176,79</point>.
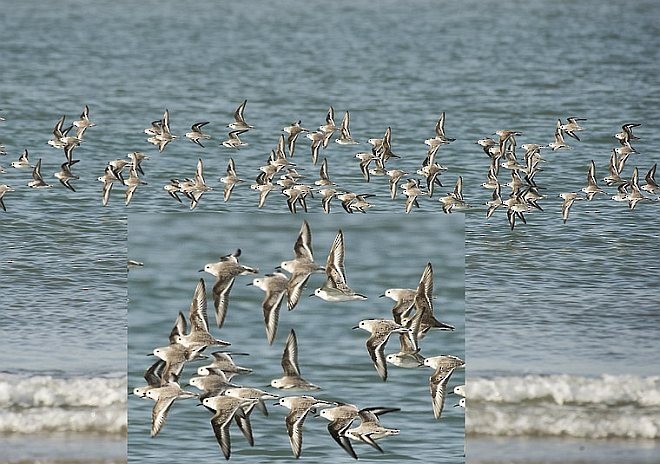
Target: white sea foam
<point>31,404</point>
<point>609,406</point>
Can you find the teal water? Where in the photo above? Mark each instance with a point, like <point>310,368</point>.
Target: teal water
<point>545,298</point>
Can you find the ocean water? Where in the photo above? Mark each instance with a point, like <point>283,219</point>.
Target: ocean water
<point>547,299</point>
<point>330,353</point>
<point>63,362</point>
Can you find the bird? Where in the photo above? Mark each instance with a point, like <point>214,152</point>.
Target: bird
<point>230,179</point>
<point>275,285</point>
<point>132,184</point>
<point>234,141</point>
<point>569,198</point>
<point>345,137</point>
<point>380,330</point>
<point>225,271</point>
<point>225,409</point>
<point>592,187</point>
<point>559,142</point>
<point>370,429</point>
<point>239,119</point>
<point>341,417</point>
<point>65,176</point>
<point>223,362</point>
<point>37,179</point>
<point>299,407</point>
<point>196,135</point>
<point>23,161</point>
<point>423,304</point>
<point>83,123</point>
<point>440,137</point>
<point>199,325</point>
<point>292,378</point>
<point>301,267</point>
<point>164,397</point>
<point>4,188</point>
<point>335,288</point>
<point>444,366</point>
<point>572,126</point>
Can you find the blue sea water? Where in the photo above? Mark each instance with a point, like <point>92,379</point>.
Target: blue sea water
<point>545,299</point>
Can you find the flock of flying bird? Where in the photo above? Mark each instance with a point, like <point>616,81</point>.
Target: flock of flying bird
<point>525,193</point>
<point>412,319</point>
<point>280,173</point>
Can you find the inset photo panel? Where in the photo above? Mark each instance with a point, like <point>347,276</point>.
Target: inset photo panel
<point>269,337</point>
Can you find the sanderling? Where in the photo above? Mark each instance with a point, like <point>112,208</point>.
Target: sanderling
<point>225,271</point>
<point>559,142</point>
<point>592,187</point>
<point>329,126</point>
<point>239,119</point>
<point>222,361</point>
<point>275,285</point>
<point>370,430</point>
<point>4,188</point>
<point>23,161</point>
<point>495,201</point>
<point>444,366</point>
<point>83,123</point>
<point>230,180</point>
<point>65,176</point>
<point>37,180</point>
<point>153,376</point>
<point>233,141</point>
<point>164,397</point>
<point>318,138</point>
<point>250,393</point>
<point>175,356</point>
<point>345,133</point>
<point>569,198</point>
<point>380,330</point>
<point>424,304</point>
<point>136,158</point>
<point>454,199</point>
<point>294,130</point>
<point>335,287</point>
<point>132,184</point>
<point>301,267</point>
<point>341,417</point>
<point>635,195</point>
<point>408,355</point>
<point>440,137</point>
<point>324,178</point>
<point>572,126</point>
<point>213,384</point>
<point>199,324</point>
<point>196,134</point>
<point>626,135</point>
<point>651,185</point>
<point>404,300</point>
<point>394,176</point>
<point>299,407</point>
<point>614,169</point>
<point>227,408</point>
<point>292,378</point>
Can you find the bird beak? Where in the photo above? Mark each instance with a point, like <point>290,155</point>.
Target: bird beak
<point>381,296</point>
<point>356,327</point>
<point>249,284</point>
<point>201,270</point>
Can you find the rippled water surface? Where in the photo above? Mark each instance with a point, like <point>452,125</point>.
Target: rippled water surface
<point>547,298</point>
